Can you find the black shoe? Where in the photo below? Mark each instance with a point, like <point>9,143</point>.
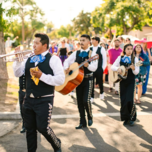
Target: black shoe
<point>116,93</point>
<point>23,130</point>
<point>131,123</point>
<point>110,89</point>
<point>126,122</point>
<point>81,126</point>
<point>90,122</point>
<point>58,150</point>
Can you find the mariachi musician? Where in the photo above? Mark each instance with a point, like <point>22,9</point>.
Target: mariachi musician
<point>83,91</point>
<point>102,63</point>
<point>22,89</point>
<point>39,96</point>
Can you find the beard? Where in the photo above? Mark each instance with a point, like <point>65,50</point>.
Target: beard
<point>116,46</point>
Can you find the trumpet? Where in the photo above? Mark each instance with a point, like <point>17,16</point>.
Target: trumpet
<point>21,55</point>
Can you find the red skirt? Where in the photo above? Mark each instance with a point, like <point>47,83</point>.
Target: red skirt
<point>106,70</point>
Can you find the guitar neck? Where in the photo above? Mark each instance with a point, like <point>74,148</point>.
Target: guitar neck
<point>90,59</point>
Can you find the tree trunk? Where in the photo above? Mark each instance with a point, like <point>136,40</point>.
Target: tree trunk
<point>31,37</point>
<point>3,68</point>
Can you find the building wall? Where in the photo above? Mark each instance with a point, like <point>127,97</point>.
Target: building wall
<point>149,37</point>
<point>141,34</point>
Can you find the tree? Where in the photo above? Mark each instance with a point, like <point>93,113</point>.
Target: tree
<point>3,27</point>
<point>66,31</point>
<point>50,27</point>
<point>82,23</point>
<point>124,14</point>
<point>53,34</point>
<point>30,9</point>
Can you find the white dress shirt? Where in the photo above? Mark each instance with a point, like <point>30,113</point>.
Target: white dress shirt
<point>71,59</point>
<point>55,64</point>
<point>104,56</point>
<point>116,65</point>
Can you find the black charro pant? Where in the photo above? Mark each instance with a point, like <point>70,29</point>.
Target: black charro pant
<point>37,116</point>
<point>21,99</point>
<point>83,93</point>
<point>98,75</point>
<point>128,109</point>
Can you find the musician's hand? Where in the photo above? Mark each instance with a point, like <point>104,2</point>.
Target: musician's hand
<point>37,74</point>
<point>67,70</point>
<point>119,71</point>
<point>86,64</point>
<point>132,67</point>
<point>16,37</point>
<point>17,49</point>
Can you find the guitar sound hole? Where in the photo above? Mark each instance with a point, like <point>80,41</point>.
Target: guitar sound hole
<point>70,72</point>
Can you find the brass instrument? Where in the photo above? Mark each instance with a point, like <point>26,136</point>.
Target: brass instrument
<point>21,56</point>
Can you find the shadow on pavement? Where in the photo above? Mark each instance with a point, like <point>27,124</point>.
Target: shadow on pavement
<point>16,142</point>
<point>141,133</point>
<point>146,146</point>
<point>96,140</point>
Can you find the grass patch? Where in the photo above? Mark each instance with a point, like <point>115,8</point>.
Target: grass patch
<point>12,86</point>
<point>13,93</point>
<point>9,64</point>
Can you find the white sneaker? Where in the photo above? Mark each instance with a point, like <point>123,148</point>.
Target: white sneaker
<point>92,100</point>
<point>71,94</point>
<point>102,96</point>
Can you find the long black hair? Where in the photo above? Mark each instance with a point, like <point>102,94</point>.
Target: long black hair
<point>132,55</point>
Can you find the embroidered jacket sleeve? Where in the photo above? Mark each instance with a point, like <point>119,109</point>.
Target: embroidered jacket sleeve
<point>116,64</point>
<point>59,77</point>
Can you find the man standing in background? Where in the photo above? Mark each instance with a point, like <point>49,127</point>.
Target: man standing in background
<point>113,53</point>
<point>8,44</point>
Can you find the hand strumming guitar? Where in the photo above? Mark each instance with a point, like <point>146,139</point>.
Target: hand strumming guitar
<point>119,71</point>
<point>132,67</point>
<point>86,64</point>
<point>67,70</point>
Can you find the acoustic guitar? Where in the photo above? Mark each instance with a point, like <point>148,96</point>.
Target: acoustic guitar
<point>116,77</point>
<point>74,77</point>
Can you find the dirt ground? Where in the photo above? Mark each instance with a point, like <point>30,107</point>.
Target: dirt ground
<point>9,91</point>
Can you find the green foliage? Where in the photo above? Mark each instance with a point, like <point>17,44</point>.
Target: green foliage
<point>50,27</point>
<point>53,34</point>
<point>4,24</point>
<point>23,8</point>
<point>65,31</point>
<point>125,14</point>
<point>82,23</point>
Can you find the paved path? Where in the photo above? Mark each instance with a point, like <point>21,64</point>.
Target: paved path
<point>106,135</point>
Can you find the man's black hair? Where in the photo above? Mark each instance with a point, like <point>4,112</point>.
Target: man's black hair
<point>96,38</point>
<point>86,36</point>
<point>44,38</point>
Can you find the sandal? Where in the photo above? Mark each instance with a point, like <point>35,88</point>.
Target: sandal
<point>135,100</point>
<point>138,102</point>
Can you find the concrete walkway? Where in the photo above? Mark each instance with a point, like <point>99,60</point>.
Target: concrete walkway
<point>107,134</point>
